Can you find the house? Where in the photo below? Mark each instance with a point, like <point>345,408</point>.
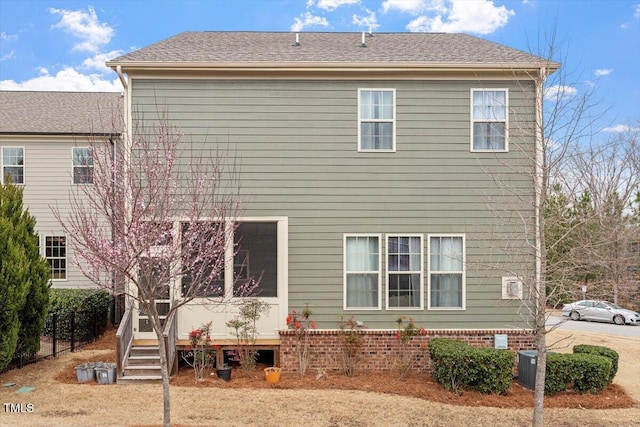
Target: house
<point>45,140</point>
<point>371,169</point>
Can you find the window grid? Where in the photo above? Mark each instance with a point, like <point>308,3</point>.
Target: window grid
<point>362,272</point>
<point>489,119</point>
<point>56,254</point>
<point>404,272</point>
<point>376,120</point>
<point>82,158</point>
<point>13,164</point>
<point>447,272</point>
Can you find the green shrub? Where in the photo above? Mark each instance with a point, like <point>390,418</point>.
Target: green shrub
<point>559,373</point>
<point>84,304</point>
<point>458,366</point>
<point>588,372</point>
<point>600,351</point>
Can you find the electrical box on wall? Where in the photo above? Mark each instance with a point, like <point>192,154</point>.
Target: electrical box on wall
<point>511,288</point>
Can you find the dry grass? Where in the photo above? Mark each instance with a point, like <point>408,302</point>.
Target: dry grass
<point>57,403</point>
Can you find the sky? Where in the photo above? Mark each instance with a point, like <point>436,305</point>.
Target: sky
<point>62,45</point>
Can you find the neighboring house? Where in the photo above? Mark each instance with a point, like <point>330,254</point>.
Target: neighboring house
<point>370,166</point>
<point>45,140</point>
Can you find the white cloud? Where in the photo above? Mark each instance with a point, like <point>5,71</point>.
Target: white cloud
<point>414,7</point>
<point>85,26</point>
<point>636,12</point>
<point>67,79</point>
<point>307,20</point>
<point>331,5</point>
<point>603,72</point>
<point>7,37</point>
<point>620,129</point>
<point>97,62</point>
<point>556,92</point>
<point>452,16</point>
<point>7,56</point>
<point>368,22</point>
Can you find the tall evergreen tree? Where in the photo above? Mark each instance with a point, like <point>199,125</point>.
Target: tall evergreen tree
<point>24,278</point>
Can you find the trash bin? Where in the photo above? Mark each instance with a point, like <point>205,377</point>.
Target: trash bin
<point>84,372</point>
<point>106,374</point>
<point>527,363</point>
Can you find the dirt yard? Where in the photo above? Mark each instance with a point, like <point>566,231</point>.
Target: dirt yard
<point>366,400</point>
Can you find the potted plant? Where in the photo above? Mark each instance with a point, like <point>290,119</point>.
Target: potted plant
<point>224,372</point>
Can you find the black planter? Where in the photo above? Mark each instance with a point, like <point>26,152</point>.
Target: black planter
<point>224,373</point>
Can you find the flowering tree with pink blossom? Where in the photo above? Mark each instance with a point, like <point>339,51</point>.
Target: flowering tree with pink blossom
<point>158,211</point>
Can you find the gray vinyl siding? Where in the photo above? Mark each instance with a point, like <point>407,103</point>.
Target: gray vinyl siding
<point>48,183</point>
<point>296,144</point>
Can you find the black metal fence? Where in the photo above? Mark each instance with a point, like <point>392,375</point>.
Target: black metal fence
<point>67,331</point>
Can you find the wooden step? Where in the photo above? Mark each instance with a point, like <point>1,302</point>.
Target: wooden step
<point>144,351</point>
<point>139,379</point>
<point>143,360</point>
<point>134,370</point>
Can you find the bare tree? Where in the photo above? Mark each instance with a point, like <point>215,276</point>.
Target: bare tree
<point>159,211</point>
<point>565,119</point>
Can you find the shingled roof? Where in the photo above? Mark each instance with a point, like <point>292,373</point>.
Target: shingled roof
<point>61,113</point>
<point>327,48</point>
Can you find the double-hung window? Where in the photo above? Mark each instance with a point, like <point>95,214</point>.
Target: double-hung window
<point>82,165</point>
<point>404,272</point>
<point>376,120</point>
<point>361,272</point>
<point>489,124</point>
<point>446,272</point>
<point>55,248</point>
<point>13,164</point>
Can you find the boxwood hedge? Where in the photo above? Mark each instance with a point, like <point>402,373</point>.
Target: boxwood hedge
<point>458,366</point>
<point>588,372</point>
<point>600,351</point>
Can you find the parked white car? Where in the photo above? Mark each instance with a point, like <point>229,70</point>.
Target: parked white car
<point>600,311</point>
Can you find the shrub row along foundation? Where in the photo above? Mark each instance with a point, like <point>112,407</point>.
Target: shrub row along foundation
<point>381,349</point>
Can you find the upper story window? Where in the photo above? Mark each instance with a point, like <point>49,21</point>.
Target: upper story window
<point>376,120</point>
<point>13,164</point>
<point>489,130</point>
<point>404,272</point>
<point>446,272</point>
<point>82,165</point>
<point>362,272</point>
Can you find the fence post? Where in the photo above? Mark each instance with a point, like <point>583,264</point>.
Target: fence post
<point>95,323</point>
<point>55,338</point>
<point>73,330</point>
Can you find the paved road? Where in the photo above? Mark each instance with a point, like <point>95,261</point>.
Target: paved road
<point>601,328</point>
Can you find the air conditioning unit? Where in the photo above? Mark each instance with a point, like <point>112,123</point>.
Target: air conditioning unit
<point>527,362</point>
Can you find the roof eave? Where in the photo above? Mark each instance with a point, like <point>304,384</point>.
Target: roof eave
<point>128,66</point>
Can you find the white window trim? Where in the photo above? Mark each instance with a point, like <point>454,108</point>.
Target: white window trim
<point>505,121</point>
<point>66,258</point>
<point>344,272</point>
<point>387,272</point>
<point>24,165</point>
<point>73,167</point>
<point>393,122</point>
<point>464,272</point>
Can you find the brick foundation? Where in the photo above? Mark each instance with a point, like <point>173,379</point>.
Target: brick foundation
<point>380,348</point>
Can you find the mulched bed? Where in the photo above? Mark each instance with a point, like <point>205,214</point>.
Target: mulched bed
<point>417,385</point>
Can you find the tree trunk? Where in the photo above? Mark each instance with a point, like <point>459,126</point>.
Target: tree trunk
<point>541,366</point>
<point>166,398</point>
